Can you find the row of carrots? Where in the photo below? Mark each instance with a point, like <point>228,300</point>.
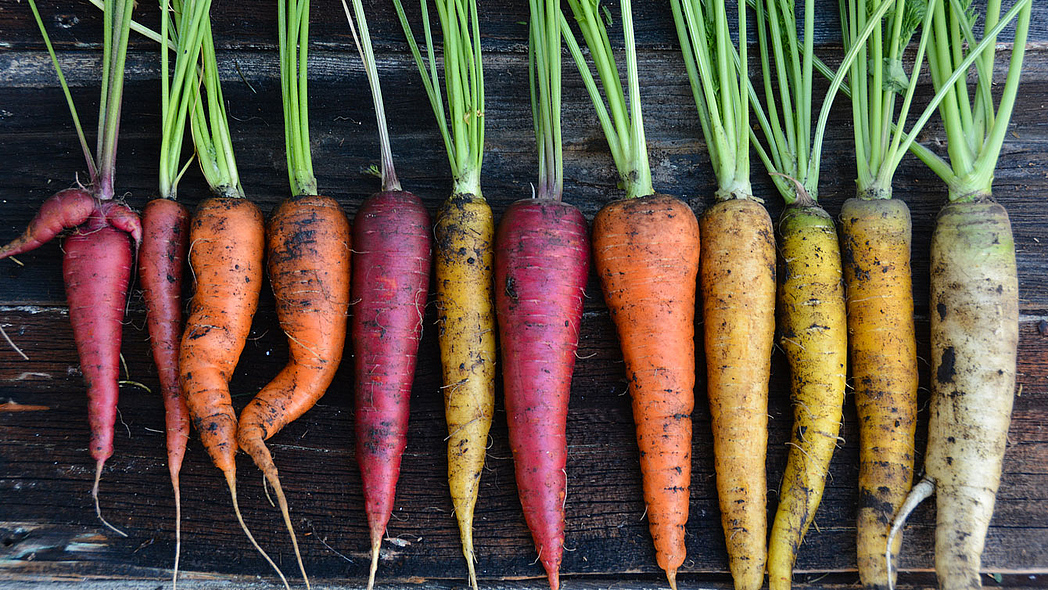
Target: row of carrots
<point>834,296</point>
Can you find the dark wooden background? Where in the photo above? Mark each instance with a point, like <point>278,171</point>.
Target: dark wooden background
<point>48,530</point>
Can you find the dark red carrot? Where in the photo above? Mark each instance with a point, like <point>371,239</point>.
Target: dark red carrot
<point>64,210</point>
<point>541,268</point>
<point>540,277</point>
<point>96,267</point>
<point>165,225</point>
<point>393,239</point>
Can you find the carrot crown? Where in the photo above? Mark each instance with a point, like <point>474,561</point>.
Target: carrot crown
<point>874,79</point>
<point>792,155</point>
<point>210,125</point>
<point>116,30</point>
<point>464,80</point>
<point>719,84</point>
<point>293,26</point>
<point>544,70</point>
<point>974,131</point>
<point>623,127</point>
<point>176,88</point>
<point>367,55</point>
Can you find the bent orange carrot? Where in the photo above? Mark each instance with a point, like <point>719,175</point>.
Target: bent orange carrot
<point>308,251</point>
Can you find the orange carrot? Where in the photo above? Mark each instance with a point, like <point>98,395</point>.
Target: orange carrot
<point>225,256</point>
<point>308,247</point>
<point>647,256</point>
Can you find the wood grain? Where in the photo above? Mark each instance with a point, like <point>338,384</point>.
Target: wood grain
<point>47,527</point>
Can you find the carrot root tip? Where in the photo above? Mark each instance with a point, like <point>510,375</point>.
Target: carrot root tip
<point>94,494</point>
<point>231,482</point>
<point>376,543</point>
<point>472,569</point>
<point>178,534</point>
<point>671,575</point>
<point>919,493</point>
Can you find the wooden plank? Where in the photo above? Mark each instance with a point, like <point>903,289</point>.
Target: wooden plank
<point>253,24</point>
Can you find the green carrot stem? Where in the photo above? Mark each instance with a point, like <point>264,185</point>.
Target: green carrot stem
<point>544,73</point>
<point>177,90</point>
<point>113,88</point>
<point>88,156</point>
<point>210,125</point>
<point>622,125</point>
<point>367,56</point>
<point>463,127</point>
<point>293,26</point>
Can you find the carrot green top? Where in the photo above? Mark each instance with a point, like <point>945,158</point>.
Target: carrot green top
<point>177,88</point>
<point>974,131</point>
<point>623,127</point>
<point>116,30</point>
<point>464,81</point>
<point>367,55</point>
<point>544,77</point>
<point>719,84</point>
<point>293,27</point>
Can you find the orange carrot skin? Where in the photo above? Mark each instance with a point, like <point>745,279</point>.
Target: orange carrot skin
<point>647,255</point>
<point>226,245</point>
<point>96,266</point>
<point>738,287</point>
<point>875,245</point>
<point>393,236</point>
<point>308,251</point>
<point>540,280</point>
<point>161,260</point>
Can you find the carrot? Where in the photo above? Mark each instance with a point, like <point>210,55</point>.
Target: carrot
<point>738,303</point>
<point>226,244</point>
<point>96,261</point>
<point>393,236</point>
<point>464,232</point>
<point>647,255</point>
<point>811,307</point>
<point>646,250</point>
<point>540,278</point>
<point>812,321</point>
<point>974,294</point>
<point>166,227</point>
<point>875,236</point>
<point>162,257</point>
<point>308,250</point>
<point>875,243</point>
<point>226,238</point>
<point>738,286</point>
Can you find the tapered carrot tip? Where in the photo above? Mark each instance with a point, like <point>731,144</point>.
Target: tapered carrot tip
<point>178,533</point>
<point>376,543</point>
<point>232,483</point>
<point>94,494</point>
<point>472,569</point>
<point>671,575</point>
<point>554,580</point>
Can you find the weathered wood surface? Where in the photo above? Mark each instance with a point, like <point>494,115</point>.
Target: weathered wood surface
<point>47,525</point>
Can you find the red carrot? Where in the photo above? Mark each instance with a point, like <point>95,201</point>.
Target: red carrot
<point>392,254</point>
<point>96,263</point>
<point>392,235</point>
<point>540,276</point>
